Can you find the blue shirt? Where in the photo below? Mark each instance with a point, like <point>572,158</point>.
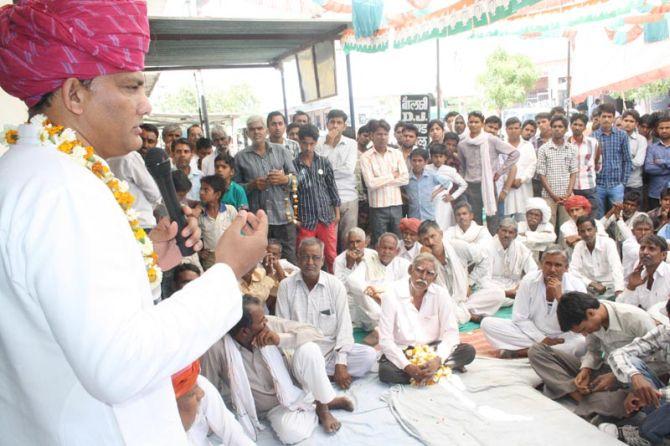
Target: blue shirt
<point>659,172</point>
<point>617,165</point>
<point>420,190</point>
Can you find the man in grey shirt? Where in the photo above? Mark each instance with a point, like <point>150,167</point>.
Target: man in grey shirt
<point>263,170</point>
<point>469,154</point>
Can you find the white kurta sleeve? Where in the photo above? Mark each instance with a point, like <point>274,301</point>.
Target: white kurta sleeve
<point>449,336</point>
<point>344,341</point>
<point>521,313</point>
<point>577,265</point>
<point>220,420</point>
<point>615,267</point>
<point>90,282</point>
<point>387,342</point>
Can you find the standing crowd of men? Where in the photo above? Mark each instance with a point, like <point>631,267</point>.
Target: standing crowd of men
<point>546,218</point>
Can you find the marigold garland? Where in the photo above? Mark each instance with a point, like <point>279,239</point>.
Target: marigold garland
<point>421,354</point>
<point>66,141</point>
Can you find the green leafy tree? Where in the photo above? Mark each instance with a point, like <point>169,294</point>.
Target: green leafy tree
<point>238,99</point>
<point>645,93</point>
<point>508,79</point>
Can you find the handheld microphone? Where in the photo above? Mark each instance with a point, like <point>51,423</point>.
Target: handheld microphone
<point>158,165</point>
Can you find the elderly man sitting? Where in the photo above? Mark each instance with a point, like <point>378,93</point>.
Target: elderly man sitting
<point>202,410</point>
<point>317,298</point>
<point>642,225</point>
<point>537,232</point>
<point>596,261</point>
<point>454,259</point>
<point>409,229</point>
<point>357,251</point>
<point>467,228</point>
<point>249,363</point>
<point>373,277</point>
<point>419,312</point>
<point>509,259</point>
<point>534,312</point>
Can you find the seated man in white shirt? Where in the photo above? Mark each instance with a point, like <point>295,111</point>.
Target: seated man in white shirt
<point>630,249</point>
<point>649,283</point>
<point>293,395</point>
<point>317,298</point>
<point>509,259</point>
<point>537,232</point>
<point>419,312</point>
<point>619,219</point>
<point>595,260</point>
<point>372,278</point>
<point>466,228</point>
<point>472,297</point>
<point>356,251</point>
<point>410,246</point>
<point>590,382</point>
<point>202,410</point>
<point>576,206</point>
<point>534,312</point>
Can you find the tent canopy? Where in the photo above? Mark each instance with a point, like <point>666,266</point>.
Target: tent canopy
<point>193,43</point>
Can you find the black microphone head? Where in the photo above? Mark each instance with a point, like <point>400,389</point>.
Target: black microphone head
<point>157,162</point>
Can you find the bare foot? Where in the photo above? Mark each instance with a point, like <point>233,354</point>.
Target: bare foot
<point>326,419</point>
<point>341,403</point>
<point>372,339</point>
<point>476,318</point>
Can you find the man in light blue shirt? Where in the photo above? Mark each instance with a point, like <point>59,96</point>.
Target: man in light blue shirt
<point>421,187</point>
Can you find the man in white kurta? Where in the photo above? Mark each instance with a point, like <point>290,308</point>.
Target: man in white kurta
<point>509,260</point>
<point>470,294</point>
<point>630,248</point>
<point>317,298</point>
<point>265,390</point>
<point>534,313</point>
<point>595,260</point>
<point>649,283</point>
<point>374,277</point>
<point>410,246</point>
<point>417,312</point>
<point>537,232</point>
<point>466,228</point>
<point>522,187</point>
<point>85,356</point>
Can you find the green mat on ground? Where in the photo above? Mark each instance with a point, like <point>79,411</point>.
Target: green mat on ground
<point>505,313</point>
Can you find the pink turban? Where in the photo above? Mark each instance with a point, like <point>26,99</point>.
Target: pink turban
<point>45,42</point>
<point>577,201</point>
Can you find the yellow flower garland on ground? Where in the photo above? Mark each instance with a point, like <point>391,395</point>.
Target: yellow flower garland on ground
<point>66,141</point>
<point>421,354</point>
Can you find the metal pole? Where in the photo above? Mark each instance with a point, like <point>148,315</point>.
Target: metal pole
<point>283,88</point>
<point>439,89</point>
<point>352,115</point>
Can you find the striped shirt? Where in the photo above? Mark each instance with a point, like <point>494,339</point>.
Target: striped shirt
<point>379,174</point>
<point>655,345</point>
<point>586,162</point>
<point>616,161</point>
<point>249,165</point>
<point>317,192</point>
<point>557,163</point>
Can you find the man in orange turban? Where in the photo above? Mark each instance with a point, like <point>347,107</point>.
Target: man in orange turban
<point>409,228</point>
<point>201,409</point>
<point>576,206</point>
<point>77,305</point>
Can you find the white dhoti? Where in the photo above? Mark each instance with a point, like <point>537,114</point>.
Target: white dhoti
<point>367,309</point>
<point>360,360</point>
<point>486,301</point>
<point>308,368</point>
<point>504,334</point>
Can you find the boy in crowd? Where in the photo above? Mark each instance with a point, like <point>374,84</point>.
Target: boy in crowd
<point>213,221</point>
<point>421,187</point>
<point>235,195</point>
